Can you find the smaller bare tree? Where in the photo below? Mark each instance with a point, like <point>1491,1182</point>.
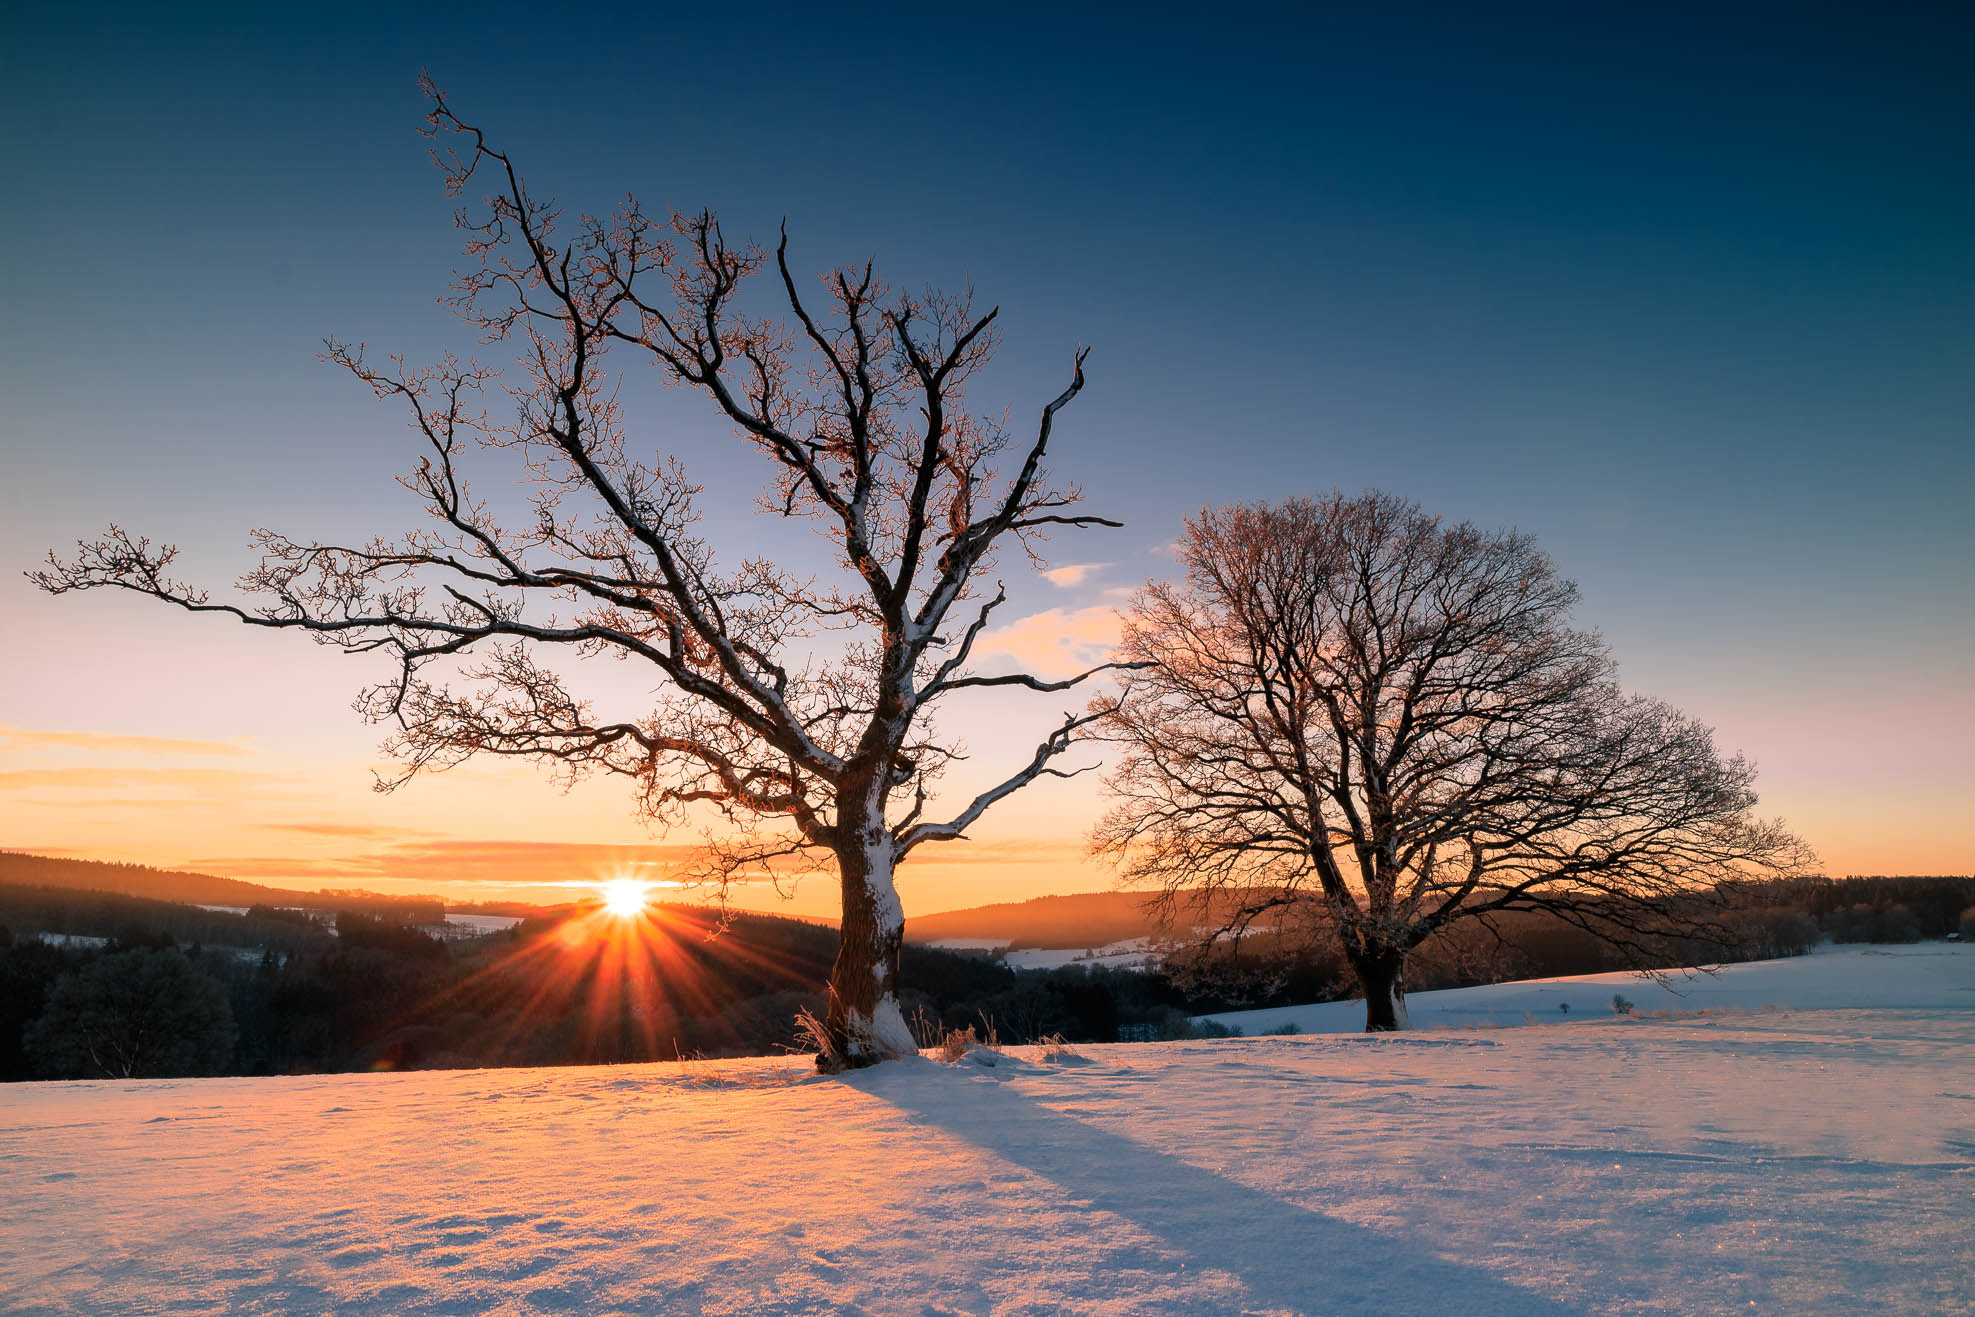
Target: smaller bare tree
<point>1352,705</point>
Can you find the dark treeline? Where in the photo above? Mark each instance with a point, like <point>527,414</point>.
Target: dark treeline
<point>94,984</point>
<point>302,995</point>
<point>18,869</point>
<point>1878,909</point>
<point>74,914</point>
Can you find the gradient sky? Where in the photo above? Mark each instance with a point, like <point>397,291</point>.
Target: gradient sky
<point>1689,296</point>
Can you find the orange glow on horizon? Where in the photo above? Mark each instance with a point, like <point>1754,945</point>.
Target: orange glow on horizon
<point>151,793</point>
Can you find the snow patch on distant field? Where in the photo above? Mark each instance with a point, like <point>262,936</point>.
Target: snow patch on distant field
<point>1133,953</point>
<point>1796,1161</point>
<point>71,939</point>
<point>461,926</point>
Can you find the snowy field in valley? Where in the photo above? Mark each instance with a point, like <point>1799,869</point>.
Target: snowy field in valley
<point>1134,953</point>
<point>1818,1157</point>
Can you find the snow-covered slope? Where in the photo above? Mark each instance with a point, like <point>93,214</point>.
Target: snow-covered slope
<point>1923,976</point>
<point>1788,1161</point>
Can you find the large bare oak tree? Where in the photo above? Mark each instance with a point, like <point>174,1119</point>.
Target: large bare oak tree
<point>795,704</point>
<point>1353,706</point>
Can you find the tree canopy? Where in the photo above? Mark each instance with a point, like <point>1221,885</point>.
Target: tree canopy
<point>1348,704</point>
<point>138,1014</point>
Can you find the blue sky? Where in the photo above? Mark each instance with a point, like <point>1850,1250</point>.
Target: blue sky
<point>1688,292</point>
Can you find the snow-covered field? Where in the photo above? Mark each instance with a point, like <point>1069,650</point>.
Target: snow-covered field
<point>1815,1159</point>
<point>1923,976</point>
<point>1133,953</point>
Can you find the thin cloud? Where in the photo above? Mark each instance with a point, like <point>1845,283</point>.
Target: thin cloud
<point>1000,854</point>
<point>280,867</point>
<point>495,851</point>
<point>435,864</point>
<point>1056,642</point>
<point>99,803</point>
<point>106,743</point>
<point>1073,574</point>
<point>97,779</point>
<point>336,829</point>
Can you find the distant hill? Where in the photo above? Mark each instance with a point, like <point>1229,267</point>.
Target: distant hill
<point>21,870</point>
<point>1087,919</point>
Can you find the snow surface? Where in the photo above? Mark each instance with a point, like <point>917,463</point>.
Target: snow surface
<point>1795,1160</point>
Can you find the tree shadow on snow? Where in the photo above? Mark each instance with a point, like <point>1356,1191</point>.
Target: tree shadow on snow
<point>1286,1255</point>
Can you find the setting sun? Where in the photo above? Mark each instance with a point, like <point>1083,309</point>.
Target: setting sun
<point>625,897</point>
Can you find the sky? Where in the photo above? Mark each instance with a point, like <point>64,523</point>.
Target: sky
<point>1687,292</point>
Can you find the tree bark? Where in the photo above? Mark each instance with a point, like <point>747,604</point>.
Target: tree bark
<point>1382,975</point>
<point>864,1024</point>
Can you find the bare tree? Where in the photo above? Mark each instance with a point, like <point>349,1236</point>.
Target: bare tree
<point>1354,706</point>
<point>134,1014</point>
<point>796,706</point>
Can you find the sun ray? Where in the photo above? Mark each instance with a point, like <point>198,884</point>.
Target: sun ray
<point>624,975</point>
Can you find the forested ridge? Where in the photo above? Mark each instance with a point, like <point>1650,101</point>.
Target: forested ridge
<point>277,990</point>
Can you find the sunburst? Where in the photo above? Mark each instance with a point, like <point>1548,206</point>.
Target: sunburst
<point>625,897</point>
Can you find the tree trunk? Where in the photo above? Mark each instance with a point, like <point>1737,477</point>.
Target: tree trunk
<point>1382,975</point>
<point>864,1025</point>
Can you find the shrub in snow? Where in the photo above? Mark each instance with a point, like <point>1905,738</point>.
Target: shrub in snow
<point>1056,1050</point>
<point>1621,1004</point>
<point>955,1044</point>
<point>810,1032</point>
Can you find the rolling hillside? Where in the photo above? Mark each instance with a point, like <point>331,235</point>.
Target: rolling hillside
<point>1088,919</point>
<point>21,870</point>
